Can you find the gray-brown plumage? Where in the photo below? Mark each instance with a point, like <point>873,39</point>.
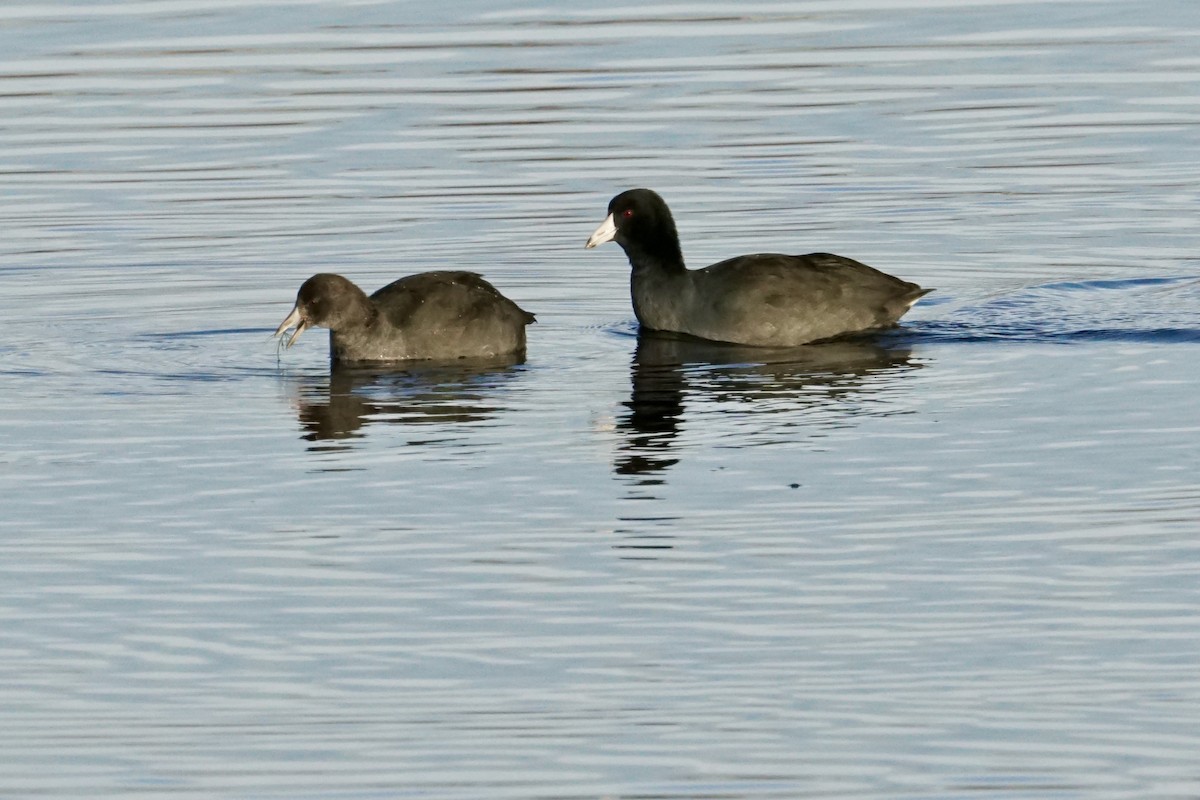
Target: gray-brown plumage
<point>764,300</point>
<point>427,316</point>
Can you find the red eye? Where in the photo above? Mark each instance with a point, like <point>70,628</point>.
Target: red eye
<point>627,213</point>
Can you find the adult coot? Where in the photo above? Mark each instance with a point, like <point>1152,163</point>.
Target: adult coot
<point>765,300</point>
<point>431,315</point>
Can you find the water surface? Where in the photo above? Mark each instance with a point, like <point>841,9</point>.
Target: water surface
<point>956,559</point>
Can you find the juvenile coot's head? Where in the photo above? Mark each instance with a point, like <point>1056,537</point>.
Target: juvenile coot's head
<point>325,301</point>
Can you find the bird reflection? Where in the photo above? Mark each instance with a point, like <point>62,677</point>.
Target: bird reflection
<point>336,407</point>
<point>668,369</point>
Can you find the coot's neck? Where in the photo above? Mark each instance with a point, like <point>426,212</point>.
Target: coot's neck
<point>661,255</point>
<point>663,258</point>
<point>359,329</point>
<point>361,312</point>
<point>659,285</point>
<point>664,263</point>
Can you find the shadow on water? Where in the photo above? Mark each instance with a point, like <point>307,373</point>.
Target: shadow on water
<point>334,408</point>
<point>669,370</point>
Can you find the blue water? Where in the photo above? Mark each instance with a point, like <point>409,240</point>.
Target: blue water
<point>958,558</point>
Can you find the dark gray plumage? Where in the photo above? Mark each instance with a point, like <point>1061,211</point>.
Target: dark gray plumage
<point>764,300</point>
<point>427,316</point>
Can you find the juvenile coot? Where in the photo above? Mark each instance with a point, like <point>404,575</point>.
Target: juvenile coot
<point>431,315</point>
<point>765,300</point>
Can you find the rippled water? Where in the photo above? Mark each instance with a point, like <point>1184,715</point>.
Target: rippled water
<point>957,559</point>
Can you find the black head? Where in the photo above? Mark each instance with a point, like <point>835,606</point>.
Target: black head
<point>326,301</point>
<point>641,223</point>
<point>329,300</point>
